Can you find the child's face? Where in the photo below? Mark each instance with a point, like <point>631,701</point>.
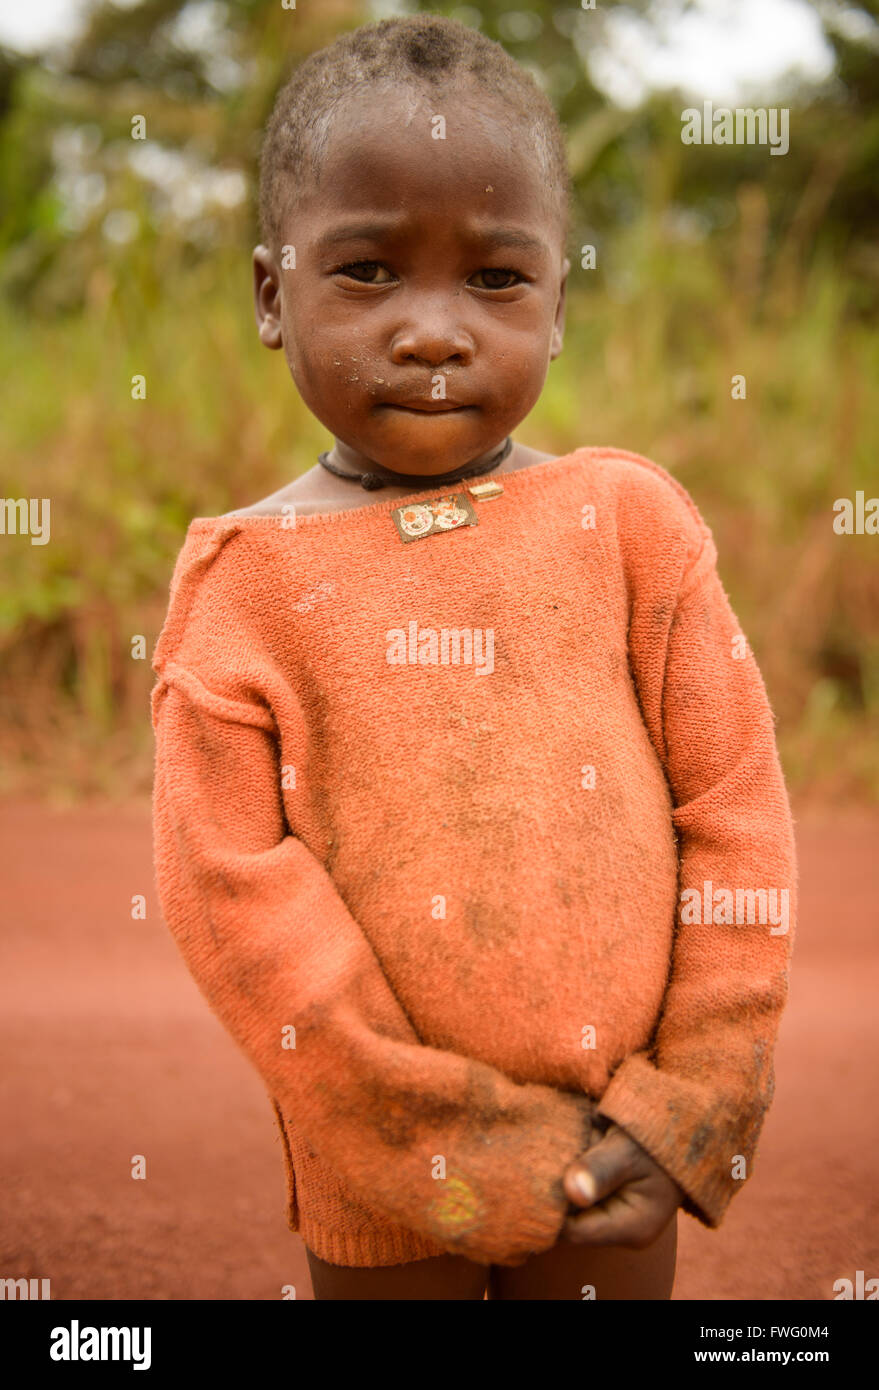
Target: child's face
<point>423,266</point>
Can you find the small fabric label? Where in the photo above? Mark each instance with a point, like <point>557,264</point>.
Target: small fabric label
<point>482,491</point>
<point>418,519</point>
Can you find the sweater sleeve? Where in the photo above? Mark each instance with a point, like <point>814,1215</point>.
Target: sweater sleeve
<point>273,947</point>
<point>697,1097</point>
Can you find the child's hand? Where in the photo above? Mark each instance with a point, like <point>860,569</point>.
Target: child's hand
<point>641,1197</point>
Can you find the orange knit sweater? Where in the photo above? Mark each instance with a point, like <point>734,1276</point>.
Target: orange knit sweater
<point>450,907</point>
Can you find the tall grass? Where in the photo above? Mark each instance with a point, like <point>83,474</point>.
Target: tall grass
<point>648,363</point>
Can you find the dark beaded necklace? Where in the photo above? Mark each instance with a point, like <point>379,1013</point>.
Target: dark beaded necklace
<point>387,478</point>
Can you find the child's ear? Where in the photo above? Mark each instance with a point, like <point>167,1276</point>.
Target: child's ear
<point>267,297</point>
<point>558,328</point>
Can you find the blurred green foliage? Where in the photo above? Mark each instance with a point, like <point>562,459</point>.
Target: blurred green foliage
<point>711,261</point>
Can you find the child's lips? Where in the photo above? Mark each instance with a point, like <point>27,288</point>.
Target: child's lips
<point>428,407</point>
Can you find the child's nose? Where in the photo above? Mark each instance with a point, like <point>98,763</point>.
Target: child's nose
<point>433,342</point>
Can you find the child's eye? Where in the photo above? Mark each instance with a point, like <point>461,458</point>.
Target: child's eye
<point>494,279</point>
<point>365,272</point>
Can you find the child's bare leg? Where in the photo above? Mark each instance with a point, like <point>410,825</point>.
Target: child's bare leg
<point>441,1276</point>
<point>614,1271</point>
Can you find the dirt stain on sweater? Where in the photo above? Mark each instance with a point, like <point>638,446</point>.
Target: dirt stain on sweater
<point>490,923</point>
<point>398,1114</point>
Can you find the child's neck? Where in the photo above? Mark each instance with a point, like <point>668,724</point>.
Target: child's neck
<point>317,490</point>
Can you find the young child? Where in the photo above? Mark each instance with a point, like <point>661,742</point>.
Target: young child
<point>469,820</point>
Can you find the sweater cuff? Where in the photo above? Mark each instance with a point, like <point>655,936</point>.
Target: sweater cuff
<point>525,1204</point>
<point>662,1113</point>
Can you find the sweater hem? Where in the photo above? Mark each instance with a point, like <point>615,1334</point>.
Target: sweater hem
<point>395,1246</point>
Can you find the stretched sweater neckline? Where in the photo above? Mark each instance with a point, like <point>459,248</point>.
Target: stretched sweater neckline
<point>389,504</point>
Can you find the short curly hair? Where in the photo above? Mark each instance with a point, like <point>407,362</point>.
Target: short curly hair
<point>424,50</point>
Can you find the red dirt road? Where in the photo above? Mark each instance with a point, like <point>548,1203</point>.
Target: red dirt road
<point>110,1051</point>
